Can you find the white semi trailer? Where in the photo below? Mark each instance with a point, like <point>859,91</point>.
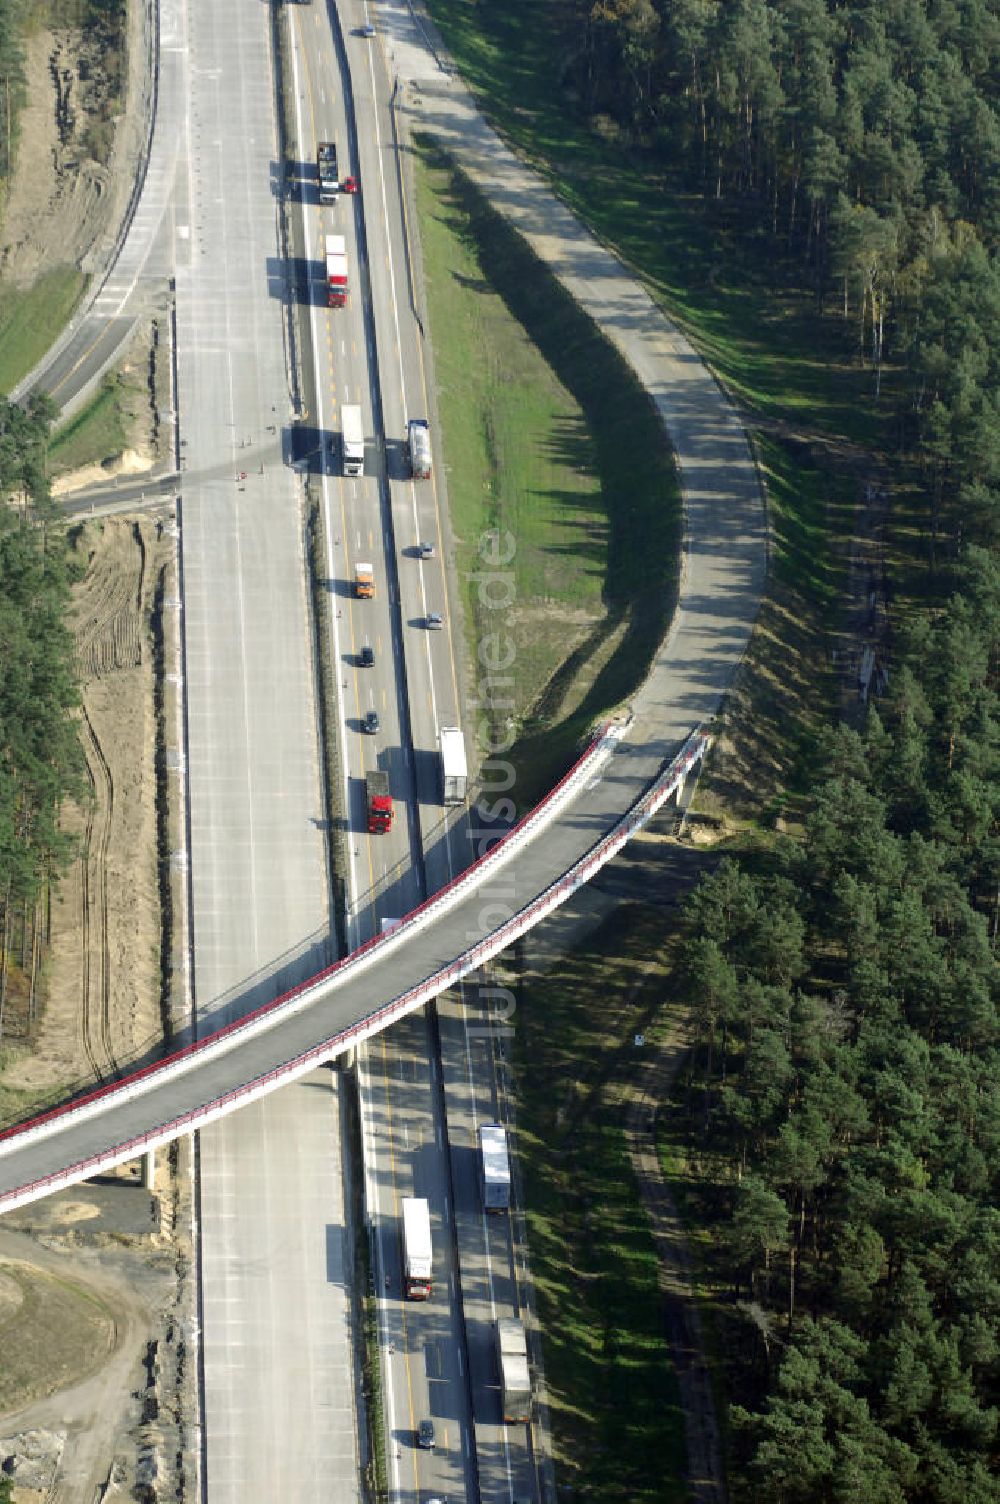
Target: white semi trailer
<point>494,1167</point>
<point>418,435</point>
<point>454,768</point>
<point>417,1253</point>
<point>352,441</point>
<point>515,1377</point>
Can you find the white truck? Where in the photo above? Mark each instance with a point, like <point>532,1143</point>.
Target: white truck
<point>494,1167</point>
<point>515,1378</point>
<point>352,441</point>
<point>419,436</point>
<point>454,768</point>
<point>416,1248</point>
<point>336,271</point>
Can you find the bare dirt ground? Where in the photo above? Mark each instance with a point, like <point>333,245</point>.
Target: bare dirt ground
<point>103,1370</point>
<point>102,986</point>
<point>96,1300</point>
<point>54,211</point>
<point>129,462</point>
<point>64,206</point>
<point>70,1421</point>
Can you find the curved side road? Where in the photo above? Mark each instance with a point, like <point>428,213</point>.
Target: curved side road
<point>438,944</point>
<point>140,266</point>
<point>725,542</point>
<point>713,460</point>
<point>722,579</point>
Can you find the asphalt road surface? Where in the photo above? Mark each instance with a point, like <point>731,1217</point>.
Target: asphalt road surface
<point>277,1364</point>
<point>369,354</point>
<point>260,945</point>
<point>137,282</point>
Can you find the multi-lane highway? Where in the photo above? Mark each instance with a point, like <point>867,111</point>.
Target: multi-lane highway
<point>369,355</point>
<point>276,1363</point>
<point>275,1236</point>
<point>412,687</point>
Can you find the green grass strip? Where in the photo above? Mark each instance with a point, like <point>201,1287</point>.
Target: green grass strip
<point>771,349</point>
<point>550,439</point>
<point>31,318</point>
<point>99,430</point>
<point>616,1422</point>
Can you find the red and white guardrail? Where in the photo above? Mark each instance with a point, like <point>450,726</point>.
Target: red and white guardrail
<point>104,1099</point>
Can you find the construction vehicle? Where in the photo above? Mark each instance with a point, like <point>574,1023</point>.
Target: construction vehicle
<point>364,582</point>
<point>494,1167</point>
<point>416,1248</point>
<point>454,769</point>
<point>336,271</point>
<point>352,441</point>
<point>378,802</point>
<point>419,437</point>
<point>515,1378</point>
<point>326,172</point>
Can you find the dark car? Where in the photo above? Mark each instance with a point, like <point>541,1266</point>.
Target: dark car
<point>425,1434</point>
<point>371,722</point>
<point>367,655</point>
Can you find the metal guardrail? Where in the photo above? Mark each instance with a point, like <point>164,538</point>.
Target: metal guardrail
<point>104,1098</point>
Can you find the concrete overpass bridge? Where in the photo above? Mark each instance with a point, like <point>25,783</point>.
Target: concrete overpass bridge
<point>510,889</point>
<point>628,773</point>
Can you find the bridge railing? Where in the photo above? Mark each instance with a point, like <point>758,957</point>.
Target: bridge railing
<point>301,995</point>
<point>470,960</point>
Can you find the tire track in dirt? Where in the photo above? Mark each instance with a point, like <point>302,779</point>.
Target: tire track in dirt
<point>109,632</point>
<point>109,622</point>
<point>106,934</point>
<point>101,997</point>
<point>95,948</point>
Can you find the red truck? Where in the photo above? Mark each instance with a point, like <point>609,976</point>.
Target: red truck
<point>336,271</point>
<point>379,802</point>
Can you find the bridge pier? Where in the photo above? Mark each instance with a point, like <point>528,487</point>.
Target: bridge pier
<point>685,793</point>
<point>148,1169</point>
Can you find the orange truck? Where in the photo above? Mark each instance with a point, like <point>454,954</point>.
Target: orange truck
<point>364,582</point>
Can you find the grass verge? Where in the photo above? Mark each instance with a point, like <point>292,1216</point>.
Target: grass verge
<point>51,1316</point>
<point>795,372</point>
<point>17,1105</point>
<point>365,1309</point>
<point>327,704</point>
<point>787,684</point>
<point>100,429</point>
<point>616,1422</point>
<point>31,318</point>
<point>552,444</point>
<point>772,351</point>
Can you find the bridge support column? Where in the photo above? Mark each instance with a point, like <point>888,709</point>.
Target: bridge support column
<point>347,1059</point>
<point>148,1169</point>
<point>684,794</point>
